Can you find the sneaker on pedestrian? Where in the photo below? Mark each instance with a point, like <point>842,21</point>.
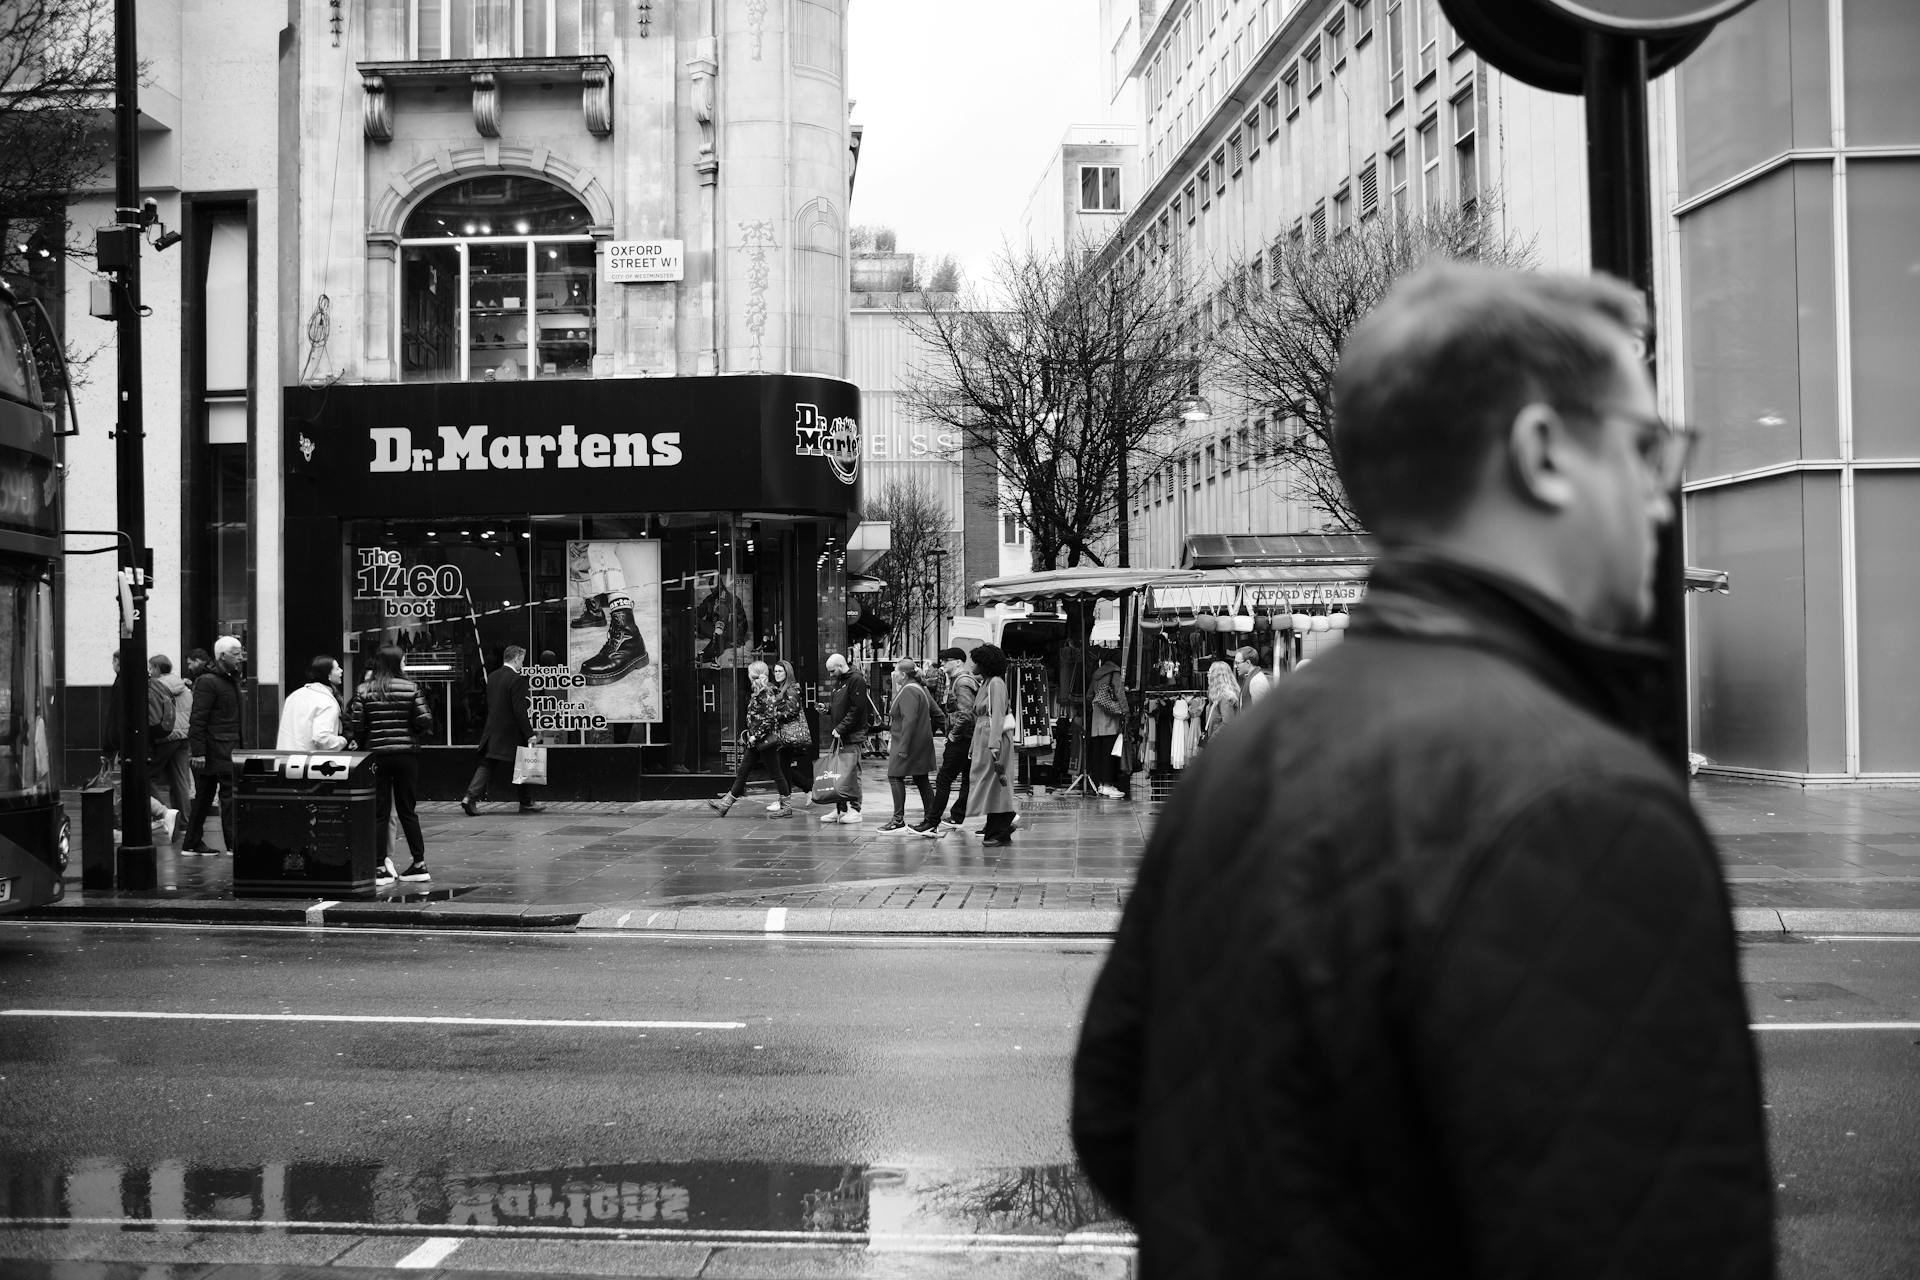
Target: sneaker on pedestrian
<point>949,825</point>
<point>1111,793</point>
<point>415,873</point>
<point>384,874</point>
<point>720,804</point>
<point>853,817</point>
<point>894,824</point>
<point>168,820</point>
<point>468,807</point>
<point>931,830</point>
<point>831,815</point>
<point>779,811</point>
<point>195,850</point>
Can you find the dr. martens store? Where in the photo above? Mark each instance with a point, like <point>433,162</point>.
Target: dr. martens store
<point>643,539</point>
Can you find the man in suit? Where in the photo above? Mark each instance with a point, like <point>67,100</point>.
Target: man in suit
<point>507,729</point>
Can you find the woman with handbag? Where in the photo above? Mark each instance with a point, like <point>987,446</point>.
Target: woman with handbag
<point>795,735</point>
<point>990,789</point>
<point>759,745</point>
<point>390,718</point>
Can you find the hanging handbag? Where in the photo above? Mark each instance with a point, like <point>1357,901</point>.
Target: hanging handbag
<point>794,733</point>
<point>1107,698</point>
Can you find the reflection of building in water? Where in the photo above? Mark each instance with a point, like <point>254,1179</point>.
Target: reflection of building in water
<point>715,1195</point>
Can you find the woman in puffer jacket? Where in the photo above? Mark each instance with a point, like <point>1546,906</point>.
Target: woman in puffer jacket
<point>389,716</point>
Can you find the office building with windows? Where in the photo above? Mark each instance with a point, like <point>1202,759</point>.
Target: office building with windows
<point>1083,196</point>
<point>1264,124</point>
<point>512,322</point>
<point>1788,190</point>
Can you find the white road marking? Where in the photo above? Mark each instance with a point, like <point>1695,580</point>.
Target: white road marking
<point>606,1024</point>
<point>776,920</point>
<point>621,923</point>
<point>431,1254</point>
<point>1836,1026</point>
<point>317,913</point>
<point>599,935</point>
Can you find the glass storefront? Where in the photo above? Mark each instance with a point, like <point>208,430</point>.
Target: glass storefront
<point>659,616</point>
<point>644,540</point>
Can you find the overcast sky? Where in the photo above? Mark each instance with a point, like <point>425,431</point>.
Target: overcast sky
<point>964,102</point>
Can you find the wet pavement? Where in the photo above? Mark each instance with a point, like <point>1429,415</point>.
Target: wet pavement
<point>1782,847</point>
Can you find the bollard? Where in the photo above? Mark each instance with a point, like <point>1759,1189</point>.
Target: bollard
<point>98,839</point>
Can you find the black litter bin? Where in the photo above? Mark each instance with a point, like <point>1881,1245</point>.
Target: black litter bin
<point>303,824</point>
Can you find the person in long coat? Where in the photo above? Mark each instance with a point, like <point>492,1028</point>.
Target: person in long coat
<point>507,729</point>
<point>990,789</point>
<point>910,718</point>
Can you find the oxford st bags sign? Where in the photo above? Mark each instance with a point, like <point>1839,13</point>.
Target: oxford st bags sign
<point>612,445</point>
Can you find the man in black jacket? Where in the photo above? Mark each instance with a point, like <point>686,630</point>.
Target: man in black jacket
<point>849,712</point>
<point>1430,967</point>
<point>213,735</point>
<point>506,730</point>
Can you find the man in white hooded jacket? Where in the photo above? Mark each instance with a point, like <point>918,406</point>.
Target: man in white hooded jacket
<point>310,721</point>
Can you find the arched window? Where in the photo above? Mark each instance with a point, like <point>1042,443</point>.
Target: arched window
<point>496,283</point>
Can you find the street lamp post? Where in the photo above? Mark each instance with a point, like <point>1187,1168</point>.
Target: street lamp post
<point>939,557</point>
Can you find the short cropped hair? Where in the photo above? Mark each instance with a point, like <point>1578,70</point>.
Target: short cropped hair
<point>1432,379</point>
<point>160,664</point>
<point>513,653</point>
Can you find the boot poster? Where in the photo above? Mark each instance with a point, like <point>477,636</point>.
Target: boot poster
<point>613,628</point>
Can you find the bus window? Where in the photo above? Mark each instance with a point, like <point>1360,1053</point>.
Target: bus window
<point>16,360</point>
<point>26,619</point>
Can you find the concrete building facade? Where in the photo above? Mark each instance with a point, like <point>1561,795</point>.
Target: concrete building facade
<point>482,288</point>
<point>1264,122</point>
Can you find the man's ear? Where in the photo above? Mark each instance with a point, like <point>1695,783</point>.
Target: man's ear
<point>1538,442</point>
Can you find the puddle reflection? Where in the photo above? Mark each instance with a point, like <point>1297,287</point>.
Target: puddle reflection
<point>697,1195</point>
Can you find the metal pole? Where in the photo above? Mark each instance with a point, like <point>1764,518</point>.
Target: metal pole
<point>1124,531</point>
<point>1620,212</point>
<point>135,864</point>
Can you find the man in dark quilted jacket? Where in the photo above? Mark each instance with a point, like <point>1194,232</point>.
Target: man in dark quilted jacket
<point>1430,970</point>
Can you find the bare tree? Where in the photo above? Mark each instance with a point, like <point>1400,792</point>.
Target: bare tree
<point>918,590</point>
<point>56,77</point>
<point>1072,371</point>
<point>1289,313</point>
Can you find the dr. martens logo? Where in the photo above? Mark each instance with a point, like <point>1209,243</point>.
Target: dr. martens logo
<point>836,439</point>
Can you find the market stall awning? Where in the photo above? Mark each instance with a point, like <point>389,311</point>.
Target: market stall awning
<point>1262,586</point>
<point>1083,582</point>
<point>1707,580</point>
<point>1227,550</point>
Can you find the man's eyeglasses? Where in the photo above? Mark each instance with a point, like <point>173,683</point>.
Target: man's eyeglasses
<point>1663,446</point>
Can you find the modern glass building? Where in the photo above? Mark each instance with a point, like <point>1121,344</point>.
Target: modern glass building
<point>1790,304</point>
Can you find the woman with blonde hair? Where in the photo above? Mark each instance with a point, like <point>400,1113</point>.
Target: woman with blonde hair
<point>1223,699</point>
<point>759,744</point>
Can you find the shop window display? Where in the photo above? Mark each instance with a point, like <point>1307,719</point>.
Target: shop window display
<point>497,283</point>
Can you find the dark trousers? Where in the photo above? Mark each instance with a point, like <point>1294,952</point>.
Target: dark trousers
<point>211,780</point>
<point>482,775</point>
<point>169,776</point>
<point>396,778</point>
<point>768,758</point>
<point>798,762</point>
<point>953,764</point>
<point>998,824</point>
<point>920,784</point>
<point>1100,759</point>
